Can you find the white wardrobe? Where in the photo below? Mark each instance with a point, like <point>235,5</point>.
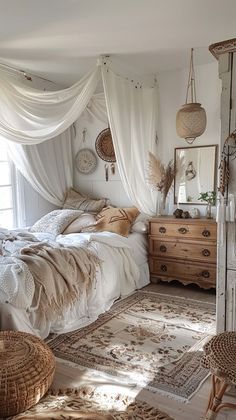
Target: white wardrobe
<point>225,53</point>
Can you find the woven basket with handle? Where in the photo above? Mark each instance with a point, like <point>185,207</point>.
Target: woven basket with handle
<point>27,367</point>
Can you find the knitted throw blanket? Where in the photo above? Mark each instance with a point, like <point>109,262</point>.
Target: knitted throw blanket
<point>60,276</point>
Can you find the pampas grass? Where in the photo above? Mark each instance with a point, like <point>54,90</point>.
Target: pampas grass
<point>160,177</point>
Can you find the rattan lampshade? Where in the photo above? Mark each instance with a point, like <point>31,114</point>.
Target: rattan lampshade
<point>191,117</point>
<point>27,367</point>
<point>191,121</point>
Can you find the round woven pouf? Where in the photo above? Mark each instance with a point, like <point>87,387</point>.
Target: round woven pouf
<point>220,356</point>
<point>27,367</point>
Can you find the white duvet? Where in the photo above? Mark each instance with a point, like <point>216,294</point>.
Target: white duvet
<point>119,275</point>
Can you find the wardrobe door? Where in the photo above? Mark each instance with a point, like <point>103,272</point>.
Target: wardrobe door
<point>231,301</point>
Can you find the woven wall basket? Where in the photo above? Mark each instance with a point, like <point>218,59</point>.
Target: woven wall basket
<point>27,367</point>
<point>104,146</point>
<point>191,121</point>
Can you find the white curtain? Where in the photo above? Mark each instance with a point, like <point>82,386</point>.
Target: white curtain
<point>132,112</point>
<point>47,166</point>
<point>97,107</point>
<point>31,116</point>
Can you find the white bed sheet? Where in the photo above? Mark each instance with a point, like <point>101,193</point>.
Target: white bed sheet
<point>118,277</point>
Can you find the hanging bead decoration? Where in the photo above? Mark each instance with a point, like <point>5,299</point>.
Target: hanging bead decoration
<point>113,169</point>
<point>228,152</point>
<point>84,132</point>
<point>106,171</point>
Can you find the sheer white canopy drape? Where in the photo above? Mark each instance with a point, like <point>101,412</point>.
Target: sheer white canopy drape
<point>46,166</point>
<point>29,116</point>
<point>97,107</point>
<point>132,113</point>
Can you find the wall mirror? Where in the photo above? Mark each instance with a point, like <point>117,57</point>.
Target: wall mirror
<point>196,173</point>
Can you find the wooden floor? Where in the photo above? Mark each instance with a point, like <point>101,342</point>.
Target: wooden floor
<point>195,409</point>
<point>192,291</point>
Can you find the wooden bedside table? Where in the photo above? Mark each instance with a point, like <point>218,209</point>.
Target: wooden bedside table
<point>183,249</point>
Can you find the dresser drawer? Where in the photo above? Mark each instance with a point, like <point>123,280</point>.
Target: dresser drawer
<point>183,230</point>
<point>196,273</point>
<point>204,252</point>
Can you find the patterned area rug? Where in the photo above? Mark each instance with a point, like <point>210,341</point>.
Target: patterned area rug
<point>150,340</point>
<point>85,404</point>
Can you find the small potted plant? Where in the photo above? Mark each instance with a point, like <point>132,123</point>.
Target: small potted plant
<point>210,198</point>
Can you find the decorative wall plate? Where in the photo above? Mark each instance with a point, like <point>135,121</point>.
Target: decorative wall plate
<point>104,146</point>
<point>86,161</point>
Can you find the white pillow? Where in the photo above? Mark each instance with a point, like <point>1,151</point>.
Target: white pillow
<point>56,221</point>
<point>84,220</point>
<point>140,224</point>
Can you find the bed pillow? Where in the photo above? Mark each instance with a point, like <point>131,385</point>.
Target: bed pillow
<point>85,219</point>
<point>56,221</point>
<point>114,219</point>
<point>140,224</point>
<point>77,201</point>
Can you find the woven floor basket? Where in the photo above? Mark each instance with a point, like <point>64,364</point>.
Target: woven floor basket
<point>27,366</point>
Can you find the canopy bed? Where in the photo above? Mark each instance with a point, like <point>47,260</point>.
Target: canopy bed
<point>57,282</point>
<point>33,122</point>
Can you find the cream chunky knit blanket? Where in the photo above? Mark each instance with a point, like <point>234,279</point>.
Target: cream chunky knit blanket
<point>60,275</point>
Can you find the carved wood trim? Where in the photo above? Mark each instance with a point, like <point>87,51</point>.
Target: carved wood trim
<point>223,47</point>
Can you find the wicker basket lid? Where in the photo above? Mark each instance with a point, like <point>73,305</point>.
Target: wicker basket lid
<point>104,146</point>
<point>27,367</point>
<point>220,356</point>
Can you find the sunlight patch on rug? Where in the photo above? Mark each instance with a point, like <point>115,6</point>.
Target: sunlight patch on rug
<point>151,340</point>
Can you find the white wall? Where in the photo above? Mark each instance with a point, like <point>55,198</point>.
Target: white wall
<point>172,93</point>
<point>32,205</point>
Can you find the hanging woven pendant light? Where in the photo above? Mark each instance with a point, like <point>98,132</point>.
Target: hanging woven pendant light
<point>191,118</point>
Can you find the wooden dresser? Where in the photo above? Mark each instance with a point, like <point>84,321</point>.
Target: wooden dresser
<point>183,249</point>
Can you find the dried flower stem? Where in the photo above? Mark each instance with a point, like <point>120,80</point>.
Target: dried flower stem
<point>159,177</point>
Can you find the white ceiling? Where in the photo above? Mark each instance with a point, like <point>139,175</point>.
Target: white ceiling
<point>60,39</point>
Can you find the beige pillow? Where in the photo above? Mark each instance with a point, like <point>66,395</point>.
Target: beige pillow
<point>81,222</point>
<point>56,221</point>
<point>116,220</point>
<point>76,200</point>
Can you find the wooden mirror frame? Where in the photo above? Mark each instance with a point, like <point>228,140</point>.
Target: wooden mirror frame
<point>215,146</point>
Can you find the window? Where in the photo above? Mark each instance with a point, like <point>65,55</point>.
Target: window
<point>6,189</point>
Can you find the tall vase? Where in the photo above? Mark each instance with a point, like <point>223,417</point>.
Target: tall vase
<point>161,204</point>
<point>208,211</point>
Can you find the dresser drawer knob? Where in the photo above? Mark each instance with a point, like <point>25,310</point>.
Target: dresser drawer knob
<point>163,248</point>
<point>163,267</point>
<point>182,230</point>
<point>205,274</point>
<point>162,229</point>
<point>206,253</point>
<point>206,233</point>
